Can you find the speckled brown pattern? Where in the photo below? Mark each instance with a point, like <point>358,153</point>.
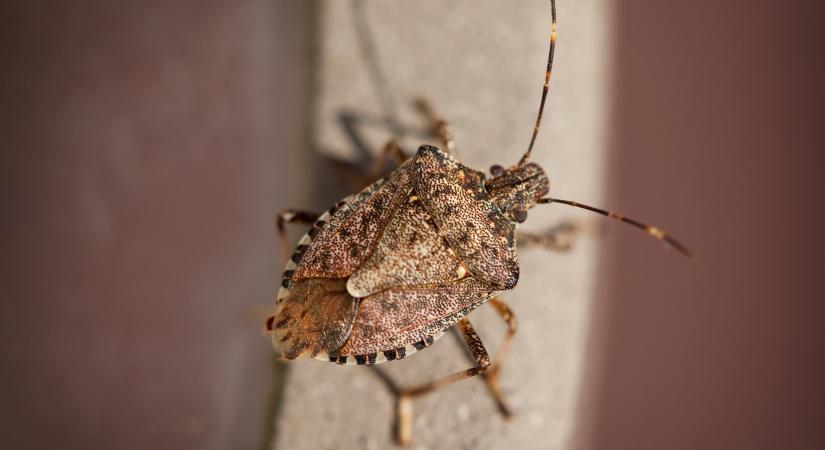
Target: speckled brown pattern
<point>518,188</point>
<point>401,316</point>
<point>343,244</point>
<point>315,316</point>
<point>411,252</point>
<point>392,267</point>
<point>475,228</point>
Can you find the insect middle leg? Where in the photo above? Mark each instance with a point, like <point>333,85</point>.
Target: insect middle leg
<point>291,216</point>
<point>405,396</point>
<point>391,151</point>
<point>560,238</point>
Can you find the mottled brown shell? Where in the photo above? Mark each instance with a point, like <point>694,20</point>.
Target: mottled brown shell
<point>411,252</point>
<point>316,316</point>
<point>475,228</point>
<point>341,245</point>
<point>386,271</point>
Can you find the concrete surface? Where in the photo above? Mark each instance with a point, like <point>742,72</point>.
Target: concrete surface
<point>481,65</point>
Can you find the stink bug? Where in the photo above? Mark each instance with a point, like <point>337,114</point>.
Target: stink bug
<point>386,271</point>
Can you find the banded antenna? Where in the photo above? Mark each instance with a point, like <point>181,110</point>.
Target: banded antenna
<point>546,82</point>
<point>649,229</point>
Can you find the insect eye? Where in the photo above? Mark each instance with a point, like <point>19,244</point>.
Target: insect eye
<point>519,215</point>
<point>497,170</point>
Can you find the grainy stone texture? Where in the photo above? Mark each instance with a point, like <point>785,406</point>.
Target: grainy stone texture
<point>481,65</point>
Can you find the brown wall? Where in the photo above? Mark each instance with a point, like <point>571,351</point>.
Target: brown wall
<point>718,138</point>
<point>145,149</point>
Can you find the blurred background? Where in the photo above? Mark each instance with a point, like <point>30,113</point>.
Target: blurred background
<point>148,146</point>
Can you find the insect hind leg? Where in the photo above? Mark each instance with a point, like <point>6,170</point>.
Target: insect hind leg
<point>405,396</point>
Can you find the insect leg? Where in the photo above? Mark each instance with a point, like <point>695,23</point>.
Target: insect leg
<point>437,125</point>
<point>491,376</point>
<point>391,150</point>
<point>291,216</point>
<point>405,396</point>
<point>559,238</point>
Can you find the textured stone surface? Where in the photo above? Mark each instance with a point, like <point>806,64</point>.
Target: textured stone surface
<point>481,65</point>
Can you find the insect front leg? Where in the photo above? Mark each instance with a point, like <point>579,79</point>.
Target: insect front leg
<point>436,124</point>
<point>560,238</point>
<point>405,396</point>
<point>491,377</point>
<point>291,216</point>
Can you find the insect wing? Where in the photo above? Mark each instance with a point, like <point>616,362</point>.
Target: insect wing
<point>411,252</point>
<point>397,317</point>
<point>475,228</point>
<point>339,246</point>
<point>315,316</point>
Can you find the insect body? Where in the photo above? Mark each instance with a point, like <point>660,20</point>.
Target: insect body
<point>385,272</point>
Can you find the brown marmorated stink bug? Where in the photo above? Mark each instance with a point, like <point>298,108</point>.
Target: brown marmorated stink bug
<point>385,272</point>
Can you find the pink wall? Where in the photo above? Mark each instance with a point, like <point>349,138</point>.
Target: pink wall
<point>718,138</point>
<point>146,148</point>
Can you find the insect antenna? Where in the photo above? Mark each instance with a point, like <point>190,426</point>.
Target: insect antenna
<point>546,83</point>
<point>651,230</point>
